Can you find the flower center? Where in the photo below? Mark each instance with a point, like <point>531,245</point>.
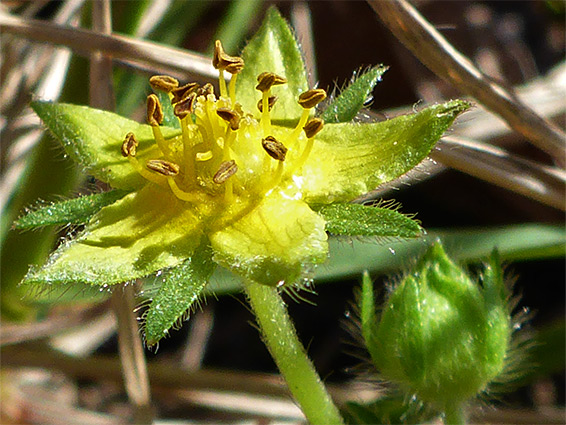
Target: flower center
<point>223,150</point>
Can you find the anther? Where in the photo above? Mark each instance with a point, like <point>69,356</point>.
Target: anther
<point>313,127</point>
<point>266,80</point>
<point>182,92</point>
<point>220,60</point>
<point>270,101</point>
<point>232,117</point>
<point>185,106</point>
<point>205,90</point>
<point>226,170</point>
<point>129,145</point>
<point>311,98</point>
<point>164,83</point>
<point>165,168</point>
<point>274,148</point>
<point>154,111</point>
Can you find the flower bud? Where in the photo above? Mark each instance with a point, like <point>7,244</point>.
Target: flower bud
<point>441,335</point>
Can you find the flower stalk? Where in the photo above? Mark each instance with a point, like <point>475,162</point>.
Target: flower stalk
<point>280,337</point>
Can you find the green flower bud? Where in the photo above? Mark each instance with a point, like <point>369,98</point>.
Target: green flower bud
<point>441,335</point>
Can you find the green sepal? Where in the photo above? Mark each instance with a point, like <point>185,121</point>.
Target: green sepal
<point>93,138</point>
<point>273,49</point>
<point>345,106</point>
<point>277,243</point>
<point>181,289</point>
<point>361,220</point>
<point>350,159</point>
<point>389,409</point>
<point>136,236</point>
<point>72,211</point>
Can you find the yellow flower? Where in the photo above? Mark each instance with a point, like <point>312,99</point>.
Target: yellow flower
<point>241,179</point>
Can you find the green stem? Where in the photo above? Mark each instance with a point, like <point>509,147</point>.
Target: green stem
<point>455,415</point>
<point>281,338</point>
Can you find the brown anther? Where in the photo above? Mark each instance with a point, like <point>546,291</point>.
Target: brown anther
<point>274,148</point>
<point>230,116</point>
<point>163,82</point>
<point>154,111</point>
<point>129,145</point>
<point>185,106</point>
<point>311,98</point>
<point>226,170</point>
<point>205,90</point>
<point>220,60</point>
<point>266,80</point>
<point>181,92</point>
<point>165,168</point>
<point>271,101</point>
<point>313,127</point>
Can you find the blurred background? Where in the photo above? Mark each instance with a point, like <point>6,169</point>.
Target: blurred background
<point>59,351</point>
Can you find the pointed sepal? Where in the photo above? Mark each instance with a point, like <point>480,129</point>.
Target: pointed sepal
<point>180,291</point>
<point>346,105</point>
<point>361,220</point>
<point>72,211</point>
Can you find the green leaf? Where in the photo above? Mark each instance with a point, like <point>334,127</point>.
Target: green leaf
<point>181,288</point>
<point>142,233</point>
<point>345,106</point>
<point>275,243</point>
<point>349,159</point>
<point>361,220</point>
<point>514,243</point>
<point>72,211</point>
<point>93,138</point>
<point>273,49</point>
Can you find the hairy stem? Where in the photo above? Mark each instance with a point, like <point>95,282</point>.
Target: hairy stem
<point>281,339</point>
<point>455,415</point>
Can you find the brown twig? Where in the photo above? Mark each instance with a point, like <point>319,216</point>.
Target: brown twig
<point>497,166</point>
<point>433,50</point>
<point>132,356</point>
<point>117,46</point>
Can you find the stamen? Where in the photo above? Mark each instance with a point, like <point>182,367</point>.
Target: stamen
<point>181,93</point>
<point>270,101</point>
<point>154,118</point>
<point>266,80</point>
<point>129,145</point>
<point>154,111</point>
<point>181,194</point>
<point>220,60</point>
<point>313,127</point>
<point>311,98</point>
<point>226,170</point>
<point>274,148</point>
<point>307,100</point>
<point>231,116</point>
<point>165,168</point>
<point>232,88</point>
<point>206,90</point>
<point>164,83</point>
<point>185,106</point>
